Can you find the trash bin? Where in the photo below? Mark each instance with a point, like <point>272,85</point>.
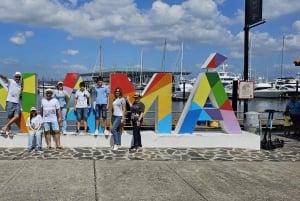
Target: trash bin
<point>251,122</point>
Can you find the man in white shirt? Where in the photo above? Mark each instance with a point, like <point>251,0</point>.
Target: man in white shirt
<point>50,111</point>
<point>13,105</point>
<point>82,103</point>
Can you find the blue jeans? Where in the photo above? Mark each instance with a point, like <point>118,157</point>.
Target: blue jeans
<point>34,141</point>
<point>116,129</point>
<point>64,118</point>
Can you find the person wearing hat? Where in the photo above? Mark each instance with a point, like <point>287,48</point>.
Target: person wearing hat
<point>50,111</point>
<point>137,113</point>
<point>13,101</point>
<point>61,95</point>
<point>34,123</point>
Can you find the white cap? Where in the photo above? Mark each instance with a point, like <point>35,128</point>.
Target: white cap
<point>18,74</point>
<point>32,108</point>
<point>60,82</point>
<point>48,90</point>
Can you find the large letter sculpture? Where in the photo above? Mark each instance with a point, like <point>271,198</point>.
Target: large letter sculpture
<point>209,86</point>
<point>158,91</point>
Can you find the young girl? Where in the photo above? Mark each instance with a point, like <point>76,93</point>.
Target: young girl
<point>34,124</point>
<point>287,123</point>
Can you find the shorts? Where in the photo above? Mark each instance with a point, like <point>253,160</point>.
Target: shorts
<point>82,113</point>
<point>101,111</point>
<point>51,126</point>
<point>12,109</point>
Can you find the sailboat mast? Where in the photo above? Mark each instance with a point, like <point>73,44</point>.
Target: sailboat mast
<point>141,69</point>
<point>164,57</point>
<point>282,56</point>
<point>181,61</point>
<point>100,59</point>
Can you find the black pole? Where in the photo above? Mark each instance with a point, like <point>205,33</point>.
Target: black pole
<point>246,52</point>
<point>234,96</point>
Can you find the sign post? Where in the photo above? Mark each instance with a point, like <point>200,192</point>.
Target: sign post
<point>253,17</point>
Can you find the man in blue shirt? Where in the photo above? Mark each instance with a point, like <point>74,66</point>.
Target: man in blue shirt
<point>102,93</point>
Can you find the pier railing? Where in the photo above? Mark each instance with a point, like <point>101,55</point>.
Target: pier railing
<point>149,122</point>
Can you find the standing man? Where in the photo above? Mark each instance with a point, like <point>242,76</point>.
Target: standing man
<point>13,106</point>
<point>102,93</point>
<point>82,103</point>
<point>50,111</point>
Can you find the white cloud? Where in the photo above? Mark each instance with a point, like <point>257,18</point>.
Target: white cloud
<point>70,52</point>
<point>9,61</point>
<point>296,25</point>
<point>19,38</point>
<point>121,20</point>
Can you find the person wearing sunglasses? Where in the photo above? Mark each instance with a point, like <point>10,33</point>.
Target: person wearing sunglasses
<point>13,101</point>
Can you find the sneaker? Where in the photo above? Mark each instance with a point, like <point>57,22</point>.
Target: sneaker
<point>96,132</point>
<point>106,132</point>
<point>77,132</point>
<point>132,149</point>
<point>115,147</point>
<point>139,148</point>
<point>29,150</point>
<point>38,149</point>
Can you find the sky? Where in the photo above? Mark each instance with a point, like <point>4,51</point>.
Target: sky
<point>54,37</point>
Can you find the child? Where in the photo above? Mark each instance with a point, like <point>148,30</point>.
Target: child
<point>287,123</point>
<point>34,123</point>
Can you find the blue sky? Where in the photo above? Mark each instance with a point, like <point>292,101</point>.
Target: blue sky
<point>53,37</point>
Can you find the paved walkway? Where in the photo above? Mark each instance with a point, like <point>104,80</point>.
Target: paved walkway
<point>177,174</point>
<point>290,152</point>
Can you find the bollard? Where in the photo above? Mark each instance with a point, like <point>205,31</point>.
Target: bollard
<point>251,122</point>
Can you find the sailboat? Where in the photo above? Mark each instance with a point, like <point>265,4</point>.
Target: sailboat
<point>183,87</point>
<point>140,85</point>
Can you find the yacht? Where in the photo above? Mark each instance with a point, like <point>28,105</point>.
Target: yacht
<point>266,90</point>
<point>182,90</point>
<point>227,77</point>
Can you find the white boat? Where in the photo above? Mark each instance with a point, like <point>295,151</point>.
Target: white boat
<point>266,90</point>
<point>227,77</point>
<point>182,90</point>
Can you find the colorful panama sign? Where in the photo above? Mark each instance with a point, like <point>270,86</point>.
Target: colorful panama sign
<point>158,92</point>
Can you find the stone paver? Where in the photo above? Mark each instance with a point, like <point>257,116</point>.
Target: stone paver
<point>290,152</point>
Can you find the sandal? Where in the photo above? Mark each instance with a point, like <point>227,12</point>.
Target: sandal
<point>49,147</point>
<point>59,148</point>
<point>10,133</point>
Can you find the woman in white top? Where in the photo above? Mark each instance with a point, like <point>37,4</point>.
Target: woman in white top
<point>118,117</point>
<point>34,123</point>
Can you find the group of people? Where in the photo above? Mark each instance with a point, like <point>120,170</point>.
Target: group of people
<point>53,113</point>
